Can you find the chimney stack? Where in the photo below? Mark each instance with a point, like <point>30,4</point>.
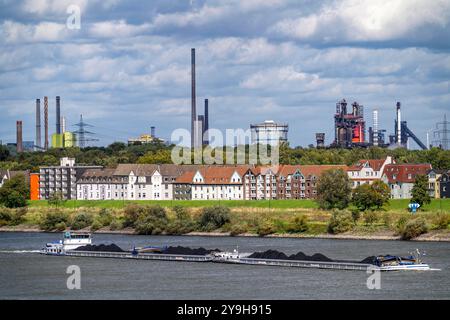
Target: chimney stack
<point>399,125</point>
<point>19,145</point>
<point>152,132</point>
<point>193,101</point>
<point>46,123</point>
<point>375,127</point>
<point>63,124</point>
<point>38,123</point>
<point>58,115</point>
<point>206,126</point>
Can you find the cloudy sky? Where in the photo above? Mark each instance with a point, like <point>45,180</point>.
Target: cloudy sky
<point>128,66</point>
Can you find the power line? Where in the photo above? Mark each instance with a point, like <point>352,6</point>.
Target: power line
<point>83,135</point>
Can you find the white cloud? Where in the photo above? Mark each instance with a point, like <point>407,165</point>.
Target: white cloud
<point>115,29</point>
<point>366,20</point>
<point>15,32</point>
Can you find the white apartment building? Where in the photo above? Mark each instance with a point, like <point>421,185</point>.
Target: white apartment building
<point>368,171</point>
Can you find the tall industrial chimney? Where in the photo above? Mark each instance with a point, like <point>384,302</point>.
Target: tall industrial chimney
<point>375,127</point>
<point>19,145</point>
<point>206,125</point>
<point>193,99</point>
<point>399,125</point>
<point>152,132</point>
<point>46,122</point>
<point>38,123</point>
<point>58,115</point>
<point>63,124</point>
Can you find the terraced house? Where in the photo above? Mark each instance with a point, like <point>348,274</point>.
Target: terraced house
<point>368,170</point>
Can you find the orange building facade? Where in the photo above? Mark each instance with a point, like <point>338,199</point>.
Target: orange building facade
<point>34,186</point>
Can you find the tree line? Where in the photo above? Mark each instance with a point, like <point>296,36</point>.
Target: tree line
<point>158,152</point>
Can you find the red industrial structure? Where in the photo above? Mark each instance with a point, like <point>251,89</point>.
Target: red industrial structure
<point>349,127</point>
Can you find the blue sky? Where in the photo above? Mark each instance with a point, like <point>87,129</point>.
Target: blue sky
<point>128,66</point>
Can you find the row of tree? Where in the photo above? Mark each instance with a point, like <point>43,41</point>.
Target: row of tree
<point>158,152</point>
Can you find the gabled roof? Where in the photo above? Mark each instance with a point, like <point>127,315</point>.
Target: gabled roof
<point>405,172</point>
<point>213,175</point>
<point>375,164</point>
<point>317,170</point>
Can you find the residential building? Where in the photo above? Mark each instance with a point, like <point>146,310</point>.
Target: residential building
<point>34,186</point>
<point>61,179</point>
<point>444,185</point>
<point>368,171</point>
<point>211,183</point>
<point>401,178</point>
<point>433,182</point>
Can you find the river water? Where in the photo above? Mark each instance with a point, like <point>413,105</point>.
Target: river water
<point>25,274</point>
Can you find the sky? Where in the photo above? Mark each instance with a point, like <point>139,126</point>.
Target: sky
<point>128,65</point>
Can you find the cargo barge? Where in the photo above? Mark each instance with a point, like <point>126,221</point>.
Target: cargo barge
<point>77,245</point>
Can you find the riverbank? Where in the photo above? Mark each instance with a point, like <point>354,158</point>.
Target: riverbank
<point>435,235</point>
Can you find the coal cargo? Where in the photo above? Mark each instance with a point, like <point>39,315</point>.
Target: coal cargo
<point>101,248</point>
<point>274,254</point>
<point>189,251</point>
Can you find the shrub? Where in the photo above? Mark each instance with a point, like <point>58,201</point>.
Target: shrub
<point>181,212</point>
<point>60,226</point>
<point>413,228</point>
<point>179,227</point>
<point>52,219</point>
<point>265,228</point>
<point>441,220</point>
<point>115,225</point>
<point>5,216</point>
<point>370,217</point>
<point>81,221</point>
<point>96,225</point>
<point>131,213</point>
<point>356,214</point>
<point>14,193</point>
<point>104,217</point>
<point>151,220</point>
<point>300,224</point>
<point>214,217</point>
<point>340,221</point>
<point>238,229</point>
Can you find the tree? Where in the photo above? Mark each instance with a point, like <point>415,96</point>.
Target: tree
<point>333,189</point>
<point>4,153</point>
<point>56,199</point>
<point>419,191</point>
<point>14,193</point>
<point>367,196</point>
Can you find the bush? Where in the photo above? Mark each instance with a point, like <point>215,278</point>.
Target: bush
<point>5,216</point>
<point>96,225</point>
<point>441,220</point>
<point>81,221</point>
<point>370,217</point>
<point>14,193</point>
<point>341,221</point>
<point>179,227</point>
<point>52,219</point>
<point>300,224</point>
<point>265,228</point>
<point>214,217</point>
<point>181,212</point>
<point>60,226</point>
<point>151,220</point>
<point>104,217</point>
<point>115,225</point>
<point>238,229</point>
<point>413,228</point>
<point>333,189</point>
<point>131,213</point>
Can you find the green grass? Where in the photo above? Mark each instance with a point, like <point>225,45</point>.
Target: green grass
<point>436,204</point>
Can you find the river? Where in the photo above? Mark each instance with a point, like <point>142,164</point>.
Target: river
<point>25,274</point>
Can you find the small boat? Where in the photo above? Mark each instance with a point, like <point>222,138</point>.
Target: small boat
<point>397,263</point>
<point>71,240</point>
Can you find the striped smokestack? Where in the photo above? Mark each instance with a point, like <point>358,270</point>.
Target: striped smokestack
<point>38,123</point>
<point>46,122</point>
<point>58,115</point>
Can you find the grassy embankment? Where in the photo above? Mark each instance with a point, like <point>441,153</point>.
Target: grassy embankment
<point>279,217</point>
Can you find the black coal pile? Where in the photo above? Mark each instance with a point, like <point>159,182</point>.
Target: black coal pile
<point>369,260</point>
<point>189,251</point>
<point>274,254</point>
<point>100,247</point>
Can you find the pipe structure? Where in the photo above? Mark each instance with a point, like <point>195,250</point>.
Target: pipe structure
<point>399,125</point>
<point>375,127</point>
<point>206,124</point>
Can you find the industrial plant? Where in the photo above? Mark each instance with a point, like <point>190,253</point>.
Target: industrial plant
<point>350,130</point>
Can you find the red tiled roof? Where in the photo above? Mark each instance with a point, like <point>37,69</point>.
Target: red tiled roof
<point>405,172</point>
<point>214,175</point>
<point>317,170</point>
<point>375,164</point>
